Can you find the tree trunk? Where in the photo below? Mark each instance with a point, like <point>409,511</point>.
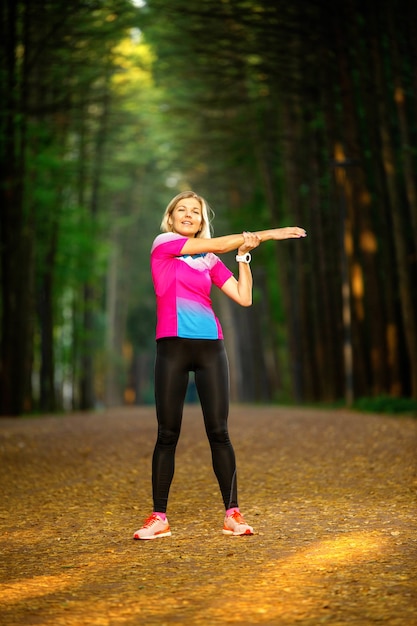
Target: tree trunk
<point>405,284</point>
<point>16,230</point>
<point>87,394</point>
<point>401,100</point>
<point>47,400</point>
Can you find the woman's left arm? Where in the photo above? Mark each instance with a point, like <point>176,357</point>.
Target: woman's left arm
<point>241,290</point>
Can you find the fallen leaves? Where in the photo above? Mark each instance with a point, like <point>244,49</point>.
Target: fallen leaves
<point>331,497</point>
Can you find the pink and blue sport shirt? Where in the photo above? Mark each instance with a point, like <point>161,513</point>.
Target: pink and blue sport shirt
<point>182,286</point>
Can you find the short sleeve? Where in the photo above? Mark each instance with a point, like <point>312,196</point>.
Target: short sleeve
<point>220,273</point>
<point>167,245</point>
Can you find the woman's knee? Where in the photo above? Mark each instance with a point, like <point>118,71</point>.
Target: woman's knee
<point>218,435</point>
<point>168,437</point>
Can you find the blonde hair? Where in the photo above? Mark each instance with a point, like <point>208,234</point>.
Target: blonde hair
<point>207,214</point>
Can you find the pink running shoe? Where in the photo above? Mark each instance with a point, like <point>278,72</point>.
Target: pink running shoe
<point>153,528</point>
<point>235,525</point>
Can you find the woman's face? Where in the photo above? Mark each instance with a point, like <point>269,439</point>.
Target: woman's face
<point>186,218</point>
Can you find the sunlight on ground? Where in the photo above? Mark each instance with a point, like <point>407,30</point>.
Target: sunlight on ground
<point>294,586</point>
<point>342,550</point>
<point>32,587</point>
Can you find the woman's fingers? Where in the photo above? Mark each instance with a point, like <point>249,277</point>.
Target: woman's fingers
<point>299,232</point>
<point>289,232</point>
<point>252,240</point>
<point>295,232</point>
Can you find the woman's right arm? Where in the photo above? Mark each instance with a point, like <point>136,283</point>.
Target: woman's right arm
<point>227,243</point>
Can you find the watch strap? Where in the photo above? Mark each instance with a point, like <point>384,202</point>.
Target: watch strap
<point>244,258</point>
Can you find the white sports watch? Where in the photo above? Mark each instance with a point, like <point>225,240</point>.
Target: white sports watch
<point>244,258</point>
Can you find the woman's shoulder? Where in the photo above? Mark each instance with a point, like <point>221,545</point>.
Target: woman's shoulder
<point>165,238</point>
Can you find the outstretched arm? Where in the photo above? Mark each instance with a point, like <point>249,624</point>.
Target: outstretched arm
<point>227,243</point>
<point>240,290</point>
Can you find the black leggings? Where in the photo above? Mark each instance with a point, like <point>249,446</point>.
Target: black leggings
<point>175,358</point>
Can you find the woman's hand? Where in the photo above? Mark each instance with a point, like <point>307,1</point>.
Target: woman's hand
<point>288,232</point>
<point>251,241</point>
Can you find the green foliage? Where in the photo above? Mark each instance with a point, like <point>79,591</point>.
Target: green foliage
<point>387,404</point>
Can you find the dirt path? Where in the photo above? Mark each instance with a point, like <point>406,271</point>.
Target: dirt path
<point>332,497</point>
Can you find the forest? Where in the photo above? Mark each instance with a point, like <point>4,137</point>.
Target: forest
<point>279,113</point>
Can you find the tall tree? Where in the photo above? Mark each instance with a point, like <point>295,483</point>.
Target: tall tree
<point>53,58</point>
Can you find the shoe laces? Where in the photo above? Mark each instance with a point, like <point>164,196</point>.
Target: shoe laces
<point>238,517</point>
<point>152,519</point>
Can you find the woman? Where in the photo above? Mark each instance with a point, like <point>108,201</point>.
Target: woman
<point>184,265</point>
